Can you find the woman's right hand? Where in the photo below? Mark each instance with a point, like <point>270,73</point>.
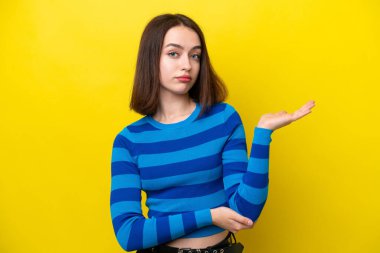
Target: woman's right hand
<point>227,218</point>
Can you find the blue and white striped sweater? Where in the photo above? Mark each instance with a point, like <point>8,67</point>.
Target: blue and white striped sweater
<point>186,169</point>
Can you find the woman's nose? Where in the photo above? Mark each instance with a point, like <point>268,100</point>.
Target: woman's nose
<point>185,63</point>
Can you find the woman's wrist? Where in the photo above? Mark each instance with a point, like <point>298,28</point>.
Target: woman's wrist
<point>264,126</point>
<point>213,212</point>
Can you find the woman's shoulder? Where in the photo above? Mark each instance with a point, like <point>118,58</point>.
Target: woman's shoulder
<point>226,108</point>
<point>231,116</point>
<point>222,107</point>
<point>133,127</point>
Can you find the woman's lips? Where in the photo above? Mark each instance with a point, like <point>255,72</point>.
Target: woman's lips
<point>184,79</point>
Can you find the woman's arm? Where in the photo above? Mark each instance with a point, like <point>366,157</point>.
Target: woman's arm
<point>246,181</point>
<point>133,231</point>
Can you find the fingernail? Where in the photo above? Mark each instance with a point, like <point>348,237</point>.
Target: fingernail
<point>249,222</point>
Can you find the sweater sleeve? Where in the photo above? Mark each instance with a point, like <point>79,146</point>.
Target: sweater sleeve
<point>245,180</point>
<point>133,231</point>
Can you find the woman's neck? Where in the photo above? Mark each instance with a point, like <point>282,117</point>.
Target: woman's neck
<point>169,111</point>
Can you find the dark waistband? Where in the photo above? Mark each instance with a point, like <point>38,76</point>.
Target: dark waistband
<point>224,243</point>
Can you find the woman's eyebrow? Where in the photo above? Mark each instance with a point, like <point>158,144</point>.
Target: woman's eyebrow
<point>179,46</point>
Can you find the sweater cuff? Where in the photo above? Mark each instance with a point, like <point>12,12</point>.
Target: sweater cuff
<point>203,217</point>
<point>262,136</point>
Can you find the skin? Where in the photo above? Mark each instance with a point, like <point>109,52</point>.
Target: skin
<point>176,105</point>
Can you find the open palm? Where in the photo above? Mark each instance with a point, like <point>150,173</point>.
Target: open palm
<point>277,120</point>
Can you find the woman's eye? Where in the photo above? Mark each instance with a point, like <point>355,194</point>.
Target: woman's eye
<point>198,56</point>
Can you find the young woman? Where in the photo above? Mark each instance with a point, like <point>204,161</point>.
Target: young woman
<point>188,152</point>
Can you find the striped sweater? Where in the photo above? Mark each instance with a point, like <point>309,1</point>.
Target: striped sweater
<point>185,169</point>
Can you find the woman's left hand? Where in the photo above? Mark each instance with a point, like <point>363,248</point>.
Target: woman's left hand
<point>277,120</point>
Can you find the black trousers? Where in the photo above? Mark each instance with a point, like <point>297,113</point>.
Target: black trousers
<point>224,244</point>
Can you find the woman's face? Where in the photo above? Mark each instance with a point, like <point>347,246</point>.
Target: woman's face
<point>180,56</point>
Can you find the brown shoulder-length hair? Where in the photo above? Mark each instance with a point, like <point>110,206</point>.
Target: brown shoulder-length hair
<point>208,89</point>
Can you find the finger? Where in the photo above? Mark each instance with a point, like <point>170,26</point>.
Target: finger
<point>245,221</point>
<point>305,109</point>
<point>237,226</point>
<point>280,113</point>
<point>299,114</point>
<point>308,105</point>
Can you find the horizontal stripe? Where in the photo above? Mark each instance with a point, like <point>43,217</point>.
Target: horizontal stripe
<point>125,194</point>
<point>202,150</point>
<point>162,135</point>
<point>187,204</point>
<point>121,141</point>
<point>236,155</point>
<point>122,207</point>
<point>253,195</point>
<point>259,151</point>
<point>258,165</point>
<point>248,209</point>
<point>262,136</point>
<point>143,127</point>
<point>119,168</point>
<point>234,167</point>
<point>187,191</point>
<point>121,154</point>
<point>255,180</point>
<point>125,181</point>
<point>180,168</point>
<point>187,142</point>
<point>237,143</point>
<point>182,179</point>
<point>232,179</point>
<point>154,213</point>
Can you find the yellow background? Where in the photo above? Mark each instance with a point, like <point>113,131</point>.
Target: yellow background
<point>66,72</point>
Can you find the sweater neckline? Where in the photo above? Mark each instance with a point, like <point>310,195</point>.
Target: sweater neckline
<point>181,123</point>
